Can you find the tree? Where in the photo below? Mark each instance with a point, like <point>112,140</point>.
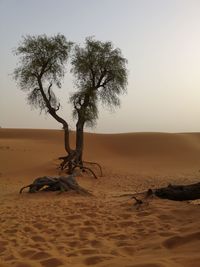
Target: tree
<point>100,74</point>
<point>42,65</point>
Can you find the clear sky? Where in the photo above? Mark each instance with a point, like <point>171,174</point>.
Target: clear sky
<point>160,39</point>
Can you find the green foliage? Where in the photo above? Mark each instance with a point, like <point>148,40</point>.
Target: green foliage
<point>100,74</point>
<point>85,110</point>
<point>42,62</point>
<point>99,69</point>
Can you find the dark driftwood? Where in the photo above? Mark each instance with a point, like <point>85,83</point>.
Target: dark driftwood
<point>171,192</point>
<point>62,184</point>
<point>178,192</point>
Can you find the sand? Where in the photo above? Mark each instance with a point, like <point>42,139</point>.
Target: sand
<point>105,230</point>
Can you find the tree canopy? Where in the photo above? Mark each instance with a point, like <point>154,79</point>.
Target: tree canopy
<point>42,62</point>
<point>100,74</point>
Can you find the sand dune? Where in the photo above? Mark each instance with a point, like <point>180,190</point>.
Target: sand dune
<point>47,229</point>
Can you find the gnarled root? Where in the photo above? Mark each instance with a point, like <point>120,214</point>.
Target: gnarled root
<point>97,164</point>
<point>70,163</point>
<point>62,184</point>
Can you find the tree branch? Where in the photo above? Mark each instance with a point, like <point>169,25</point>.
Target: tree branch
<point>58,107</point>
<point>93,77</point>
<point>51,109</point>
<point>105,82</point>
<point>49,92</point>
<point>103,73</point>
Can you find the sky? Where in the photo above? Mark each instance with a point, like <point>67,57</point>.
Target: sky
<point>159,38</point>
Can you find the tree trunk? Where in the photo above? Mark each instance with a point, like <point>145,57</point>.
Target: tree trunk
<point>68,149</point>
<point>53,112</point>
<point>66,140</point>
<point>79,142</point>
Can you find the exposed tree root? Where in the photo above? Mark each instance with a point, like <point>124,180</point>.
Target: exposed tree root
<point>83,168</point>
<point>61,184</point>
<point>95,163</point>
<point>70,163</point>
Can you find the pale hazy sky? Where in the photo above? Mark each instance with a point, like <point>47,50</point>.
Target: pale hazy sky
<point>160,39</point>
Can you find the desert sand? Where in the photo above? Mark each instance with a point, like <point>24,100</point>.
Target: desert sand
<point>103,230</point>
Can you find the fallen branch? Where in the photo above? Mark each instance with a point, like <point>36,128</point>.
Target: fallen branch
<point>178,192</point>
<point>62,184</point>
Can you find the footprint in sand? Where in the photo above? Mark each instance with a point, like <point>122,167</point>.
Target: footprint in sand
<point>10,231</point>
<point>38,238</point>
<point>27,253</point>
<point>147,265</point>
<point>119,237</point>
<point>28,229</point>
<point>126,216</point>
<point>38,226</point>
<point>127,223</point>
<point>177,241</point>
<point>128,250</point>
<point>89,229</point>
<point>188,261</point>
<point>86,251</point>
<point>95,259</point>
<point>88,222</point>
<point>72,217</point>
<point>72,254</point>
<point>40,255</point>
<point>3,246</point>
<point>52,262</point>
<point>96,243</point>
<point>9,257</point>
<point>22,264</point>
<point>73,243</point>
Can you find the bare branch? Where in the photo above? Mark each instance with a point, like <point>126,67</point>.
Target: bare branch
<point>93,77</point>
<point>49,92</point>
<point>105,82</point>
<point>58,107</point>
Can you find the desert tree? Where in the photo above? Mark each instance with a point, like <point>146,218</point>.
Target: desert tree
<point>100,73</point>
<point>100,76</point>
<point>41,67</point>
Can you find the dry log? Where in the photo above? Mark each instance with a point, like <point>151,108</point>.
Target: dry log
<point>178,192</point>
<point>62,184</point>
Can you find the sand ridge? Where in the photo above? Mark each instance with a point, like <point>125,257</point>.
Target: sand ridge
<point>103,230</point>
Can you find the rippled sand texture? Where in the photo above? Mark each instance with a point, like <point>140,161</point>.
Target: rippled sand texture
<point>51,229</point>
